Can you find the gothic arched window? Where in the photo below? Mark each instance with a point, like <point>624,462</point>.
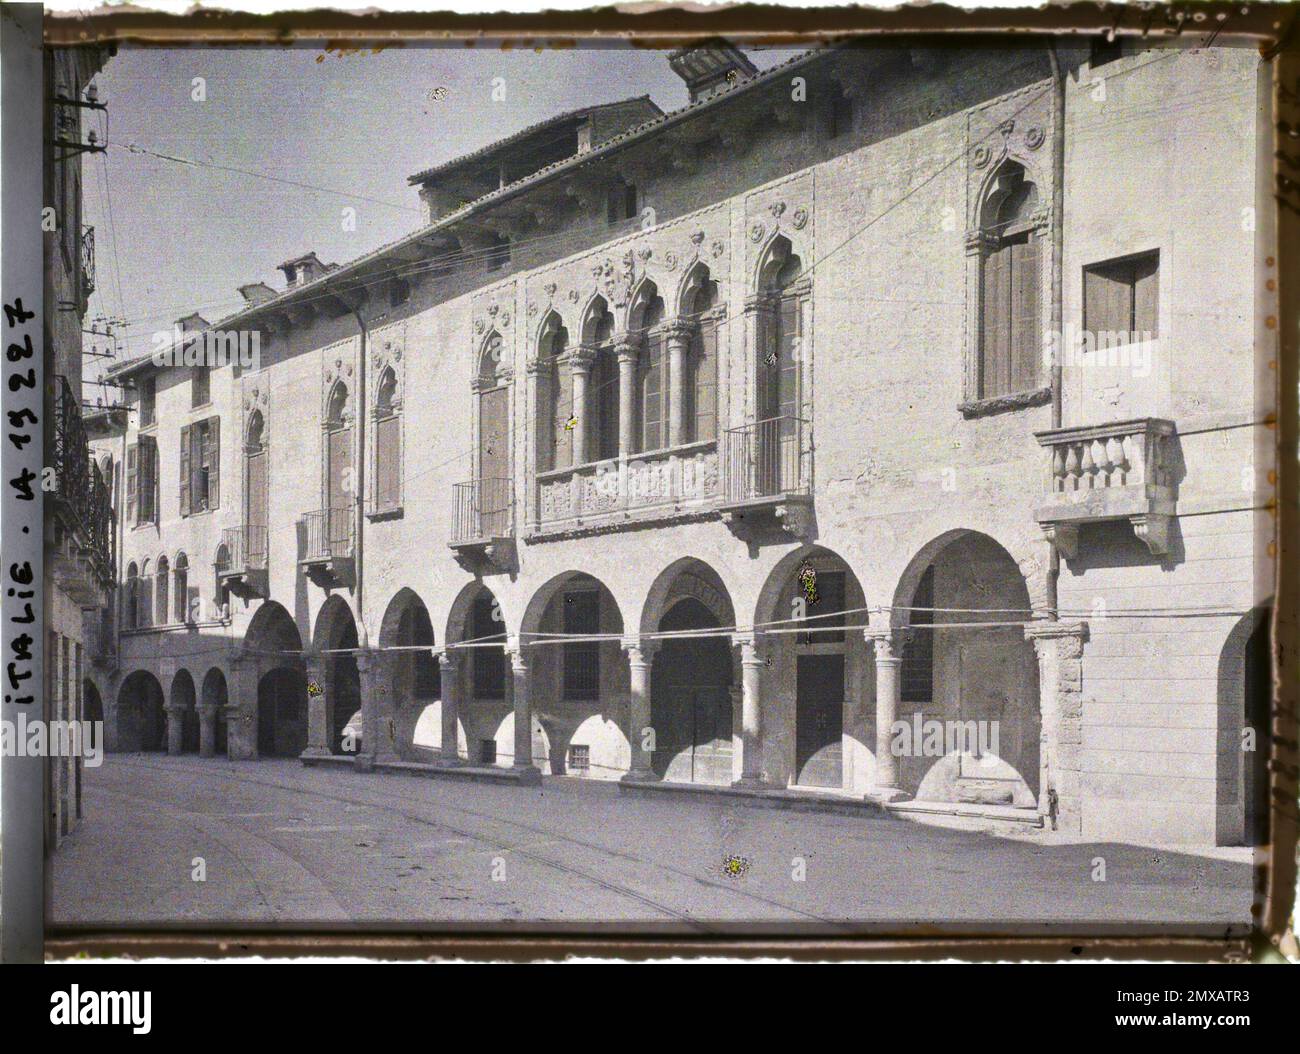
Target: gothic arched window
<point>1011,341</point>
<point>554,397</point>
<point>388,443</point>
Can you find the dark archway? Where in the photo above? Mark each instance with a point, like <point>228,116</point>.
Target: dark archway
<point>1245,709</point>
<point>416,676</point>
<point>92,710</point>
<point>282,713</point>
<point>183,710</point>
<point>690,699</point>
<point>335,635</point>
<point>215,694</point>
<point>141,720</point>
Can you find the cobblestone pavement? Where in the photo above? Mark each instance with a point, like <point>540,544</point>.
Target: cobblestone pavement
<point>286,844</point>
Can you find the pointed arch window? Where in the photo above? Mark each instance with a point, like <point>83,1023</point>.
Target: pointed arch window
<point>181,588</point>
<point>555,397</point>
<point>602,392</point>
<point>1010,316</point>
<point>339,481</point>
<point>144,597</point>
<point>388,444</point>
<point>784,293</point>
<point>652,372</point>
<point>162,585</point>
<point>131,597</point>
<point>700,388</point>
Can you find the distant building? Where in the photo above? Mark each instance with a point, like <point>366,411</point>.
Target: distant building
<point>706,446</point>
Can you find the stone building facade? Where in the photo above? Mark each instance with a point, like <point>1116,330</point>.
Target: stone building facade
<point>729,446</point>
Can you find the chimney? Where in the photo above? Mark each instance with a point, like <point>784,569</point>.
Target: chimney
<point>190,323</point>
<point>710,67</point>
<point>303,269</point>
<point>257,293</point>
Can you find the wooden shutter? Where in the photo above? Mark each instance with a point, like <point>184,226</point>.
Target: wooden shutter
<point>388,434</point>
<point>148,491</point>
<point>185,470</point>
<point>652,395</point>
<point>1146,295</point>
<point>132,483</point>
<point>996,323</point>
<point>562,408</point>
<point>787,358</point>
<point>212,459</point>
<point>1107,301</point>
<point>1026,316</point>
<point>705,382</point>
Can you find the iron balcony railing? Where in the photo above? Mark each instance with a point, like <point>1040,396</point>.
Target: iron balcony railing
<point>484,510</point>
<point>329,533</point>
<point>243,549</point>
<point>79,484</point>
<point>764,460</point>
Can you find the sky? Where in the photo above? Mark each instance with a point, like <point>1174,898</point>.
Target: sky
<point>172,238</point>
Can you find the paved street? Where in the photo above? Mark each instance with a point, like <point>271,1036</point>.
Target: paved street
<point>286,844</point>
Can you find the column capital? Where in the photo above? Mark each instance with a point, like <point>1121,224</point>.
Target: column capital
<point>751,647</point>
<point>627,346</point>
<point>888,641</point>
<point>207,709</point>
<point>581,358</point>
<point>1067,637</point>
<point>760,303</point>
<point>449,660</point>
<point>679,330</point>
<point>643,647</point>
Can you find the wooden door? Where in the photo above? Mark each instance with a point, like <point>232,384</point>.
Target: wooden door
<point>819,720</point>
<point>256,511</point>
<point>339,511</point>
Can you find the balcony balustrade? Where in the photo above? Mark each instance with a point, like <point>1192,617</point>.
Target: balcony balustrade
<point>1121,470</point>
<point>767,476</point>
<point>241,563</point>
<point>82,556</point>
<point>484,521</point>
<point>328,540</point>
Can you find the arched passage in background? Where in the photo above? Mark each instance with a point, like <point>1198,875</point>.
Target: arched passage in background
<point>691,703</point>
<point>983,674</point>
<point>215,693</point>
<point>415,675</point>
<point>336,629</point>
<point>484,684</point>
<point>814,691</point>
<point>92,710</point>
<point>1245,728</point>
<point>274,641</point>
<point>183,710</point>
<point>577,680</point>
<point>141,721</point>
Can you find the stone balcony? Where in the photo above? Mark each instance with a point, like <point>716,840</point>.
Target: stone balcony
<point>482,534</point>
<point>658,486</point>
<point>767,475</point>
<point>1121,470</point>
<point>327,539</point>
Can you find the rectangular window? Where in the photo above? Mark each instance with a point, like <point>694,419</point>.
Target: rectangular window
<point>653,395</point>
<point>916,673</point>
<point>148,400</point>
<point>620,203</point>
<point>133,483</point>
<point>1121,300</point>
<point>582,658</point>
<point>579,760</point>
<point>840,113</point>
<point>487,751</point>
<point>200,386</point>
<point>200,466</point>
<point>147,480</point>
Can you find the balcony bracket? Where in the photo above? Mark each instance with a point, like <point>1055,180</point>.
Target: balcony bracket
<point>330,572</point>
<point>1152,530</point>
<point>246,584</point>
<point>791,514</point>
<point>486,555</point>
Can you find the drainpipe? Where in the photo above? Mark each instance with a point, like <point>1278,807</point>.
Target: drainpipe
<point>1058,264</point>
<point>359,521</point>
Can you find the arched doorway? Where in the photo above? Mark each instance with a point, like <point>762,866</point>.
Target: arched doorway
<point>92,711</point>
<point>969,695</point>
<point>1246,728</point>
<point>282,713</point>
<point>415,675</point>
<point>691,697</point>
<point>335,635</point>
<point>482,675</point>
<point>183,710</point>
<point>215,694</point>
<point>815,686</point>
<point>577,679</point>
<point>141,720</point>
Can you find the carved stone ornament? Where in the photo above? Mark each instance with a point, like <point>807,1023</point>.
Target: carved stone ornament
<point>670,261</point>
<point>777,209</point>
<point>549,289</point>
<point>1034,138</point>
<point>478,325</point>
<point>800,218</point>
<point>982,156</point>
<point>697,237</point>
<point>719,248</point>
<point>756,231</point>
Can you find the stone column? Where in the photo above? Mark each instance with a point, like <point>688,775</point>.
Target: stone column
<point>523,762</point>
<point>318,713</point>
<point>374,731</point>
<point>175,728</point>
<point>449,662</point>
<point>679,335</point>
<point>1059,647</point>
<point>626,348</point>
<point>207,729</point>
<point>888,643</point>
<point>241,711</point>
<point>751,713</point>
<point>580,360</point>
<point>640,657</point>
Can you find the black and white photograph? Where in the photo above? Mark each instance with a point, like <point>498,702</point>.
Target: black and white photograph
<point>719,490</point>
